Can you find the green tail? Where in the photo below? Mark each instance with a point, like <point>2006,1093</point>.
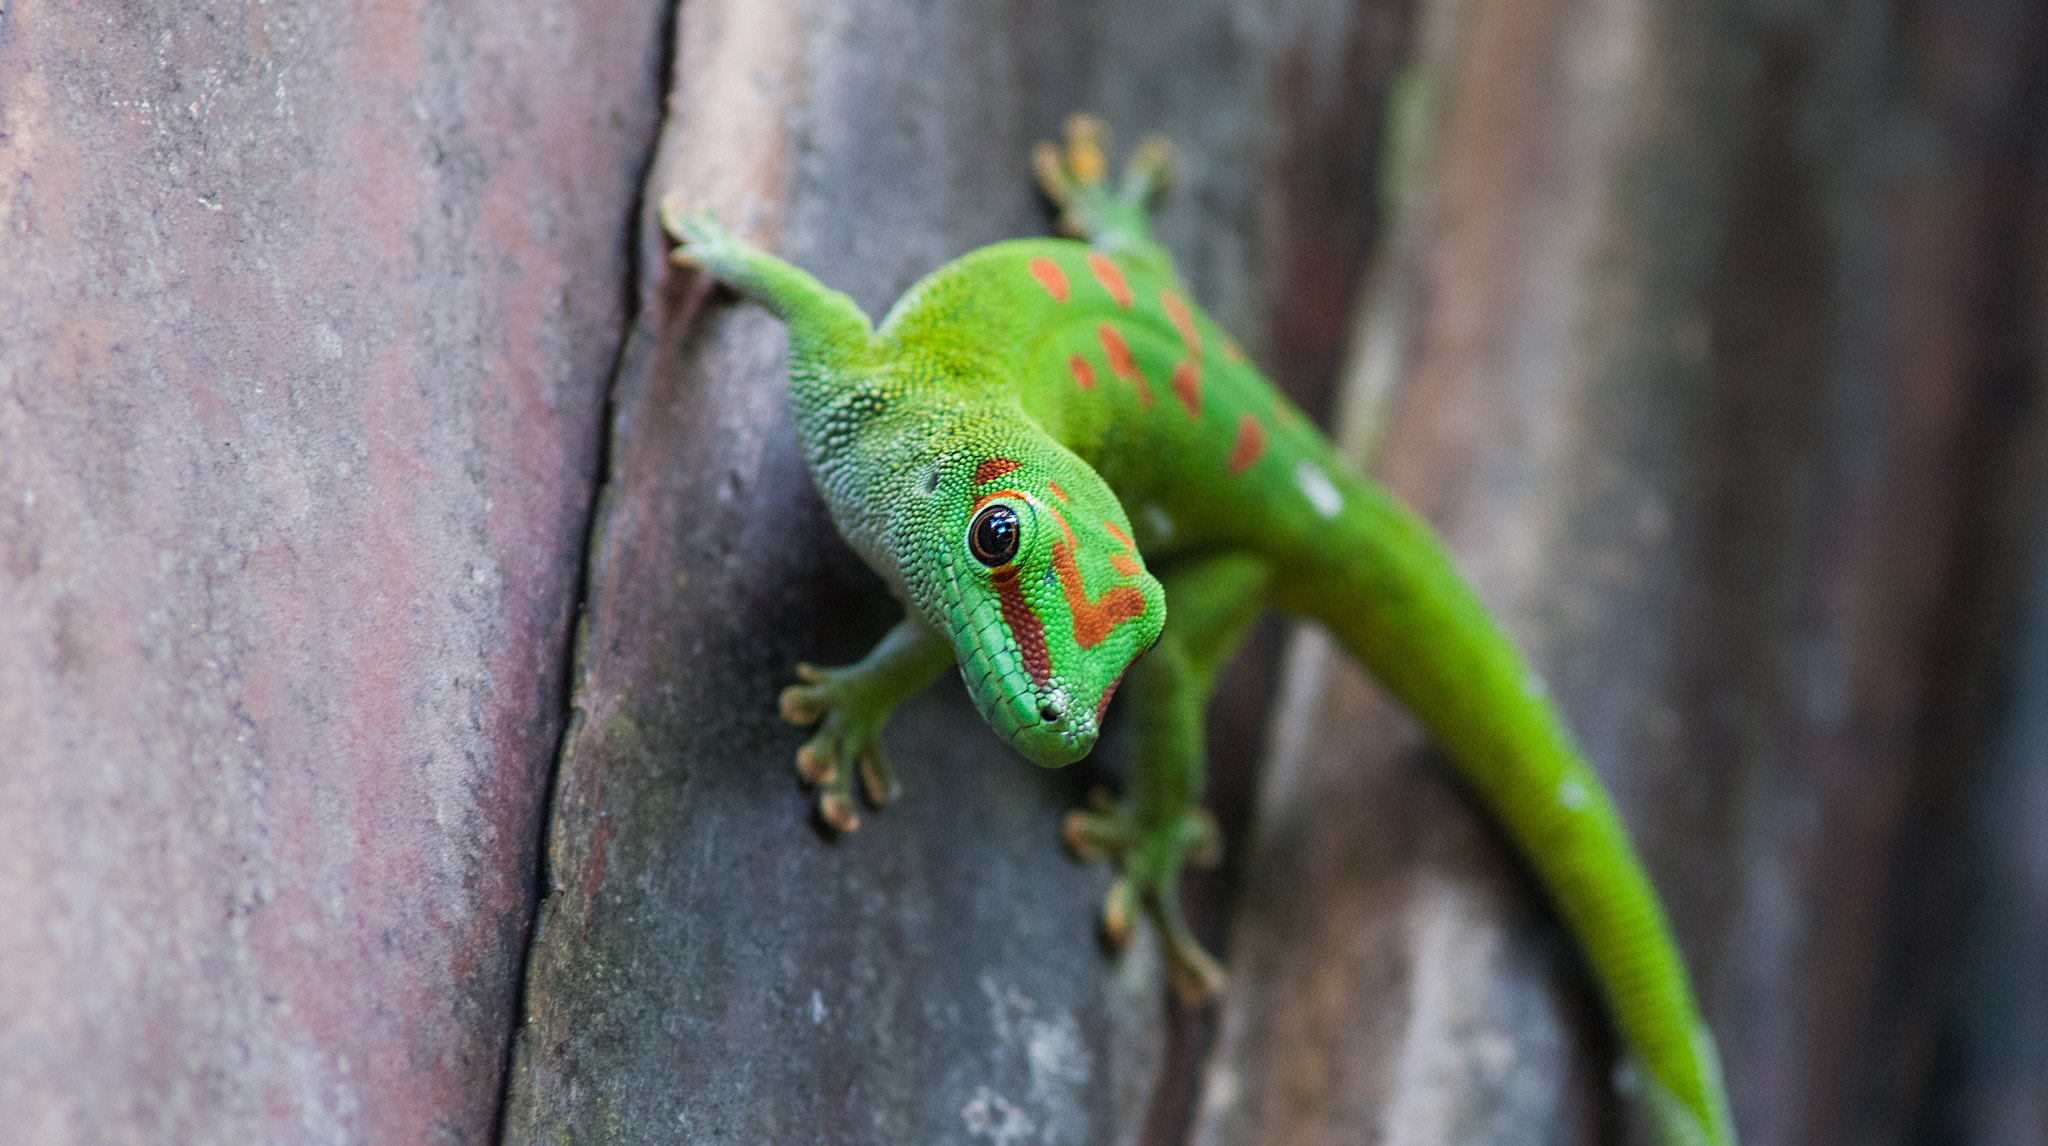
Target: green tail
<point>1382,582</point>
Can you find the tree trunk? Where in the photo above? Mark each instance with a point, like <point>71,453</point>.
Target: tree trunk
<point>341,366</point>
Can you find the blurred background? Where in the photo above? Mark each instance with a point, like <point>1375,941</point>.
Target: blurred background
<point>399,561</point>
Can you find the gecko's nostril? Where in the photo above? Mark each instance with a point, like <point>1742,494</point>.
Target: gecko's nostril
<point>1049,712</point>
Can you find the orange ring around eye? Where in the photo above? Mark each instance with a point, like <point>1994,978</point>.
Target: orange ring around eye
<point>984,499</point>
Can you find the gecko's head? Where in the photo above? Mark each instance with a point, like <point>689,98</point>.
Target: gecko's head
<point>1030,570</point>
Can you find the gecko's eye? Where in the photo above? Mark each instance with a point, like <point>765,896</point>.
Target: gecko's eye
<point>995,535</point>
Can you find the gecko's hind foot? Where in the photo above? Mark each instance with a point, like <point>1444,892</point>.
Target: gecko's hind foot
<point>1075,177</point>
<point>1197,977</point>
<point>1149,859</point>
<point>847,742</point>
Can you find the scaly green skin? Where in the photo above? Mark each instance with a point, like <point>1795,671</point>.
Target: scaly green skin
<point>1069,384</point>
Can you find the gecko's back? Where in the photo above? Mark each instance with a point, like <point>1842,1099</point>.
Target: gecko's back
<point>1110,356</point>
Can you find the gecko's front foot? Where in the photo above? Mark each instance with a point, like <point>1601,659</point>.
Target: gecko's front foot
<point>1149,859</point>
<point>849,705</point>
<point>848,740</point>
<point>702,241</point>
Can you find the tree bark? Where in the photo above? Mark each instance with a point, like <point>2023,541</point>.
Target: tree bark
<point>399,560</point>
<point>306,322</point>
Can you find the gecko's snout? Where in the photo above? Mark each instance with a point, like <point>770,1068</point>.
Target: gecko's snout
<point>1050,711</point>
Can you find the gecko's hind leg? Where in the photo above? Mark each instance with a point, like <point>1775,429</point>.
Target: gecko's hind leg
<point>850,705</point>
<point>1160,824</point>
<point>1149,860</point>
<point>1076,178</point>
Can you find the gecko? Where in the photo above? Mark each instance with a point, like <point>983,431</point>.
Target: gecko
<point>1079,487</point>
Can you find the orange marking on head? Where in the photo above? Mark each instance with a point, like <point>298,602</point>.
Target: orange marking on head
<point>1093,620</point>
<point>1251,442</point>
<point>1084,374</point>
<point>1110,276</point>
<point>1122,364</point>
<point>1125,562</point>
<point>1127,559</point>
<point>1231,351</point>
<point>1064,527</point>
<point>1187,386</point>
<point>984,499</point>
<point>1051,277</point>
<point>1056,490</point>
<point>1102,706</point>
<point>1025,627</point>
<point>1182,321</point>
<point>992,469</point>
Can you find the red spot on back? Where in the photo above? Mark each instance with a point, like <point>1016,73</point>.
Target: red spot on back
<point>1110,276</point>
<point>1084,374</point>
<point>1118,533</point>
<point>1056,490</point>
<point>1122,364</point>
<point>1251,442</point>
<point>992,469</point>
<point>1051,277</point>
<point>1024,625</point>
<point>1187,386</point>
<point>1182,321</point>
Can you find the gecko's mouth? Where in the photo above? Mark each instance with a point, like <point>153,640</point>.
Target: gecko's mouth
<point>1061,733</point>
<point>1051,746</point>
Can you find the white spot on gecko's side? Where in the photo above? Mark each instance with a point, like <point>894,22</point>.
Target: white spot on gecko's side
<point>1317,488</point>
<point>1160,523</point>
<point>817,1006</point>
<point>989,1116</point>
<point>1571,792</point>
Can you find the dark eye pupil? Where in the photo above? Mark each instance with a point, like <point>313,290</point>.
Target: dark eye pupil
<point>994,536</point>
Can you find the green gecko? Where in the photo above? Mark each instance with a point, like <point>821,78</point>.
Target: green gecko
<point>1037,427</point>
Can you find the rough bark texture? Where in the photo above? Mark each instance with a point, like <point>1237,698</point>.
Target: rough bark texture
<point>1711,332</point>
<point>1710,337</point>
<point>707,968</point>
<point>1990,1080</point>
<point>306,321</point>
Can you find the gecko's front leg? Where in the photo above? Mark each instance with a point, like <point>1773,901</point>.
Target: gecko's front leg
<point>850,705</point>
